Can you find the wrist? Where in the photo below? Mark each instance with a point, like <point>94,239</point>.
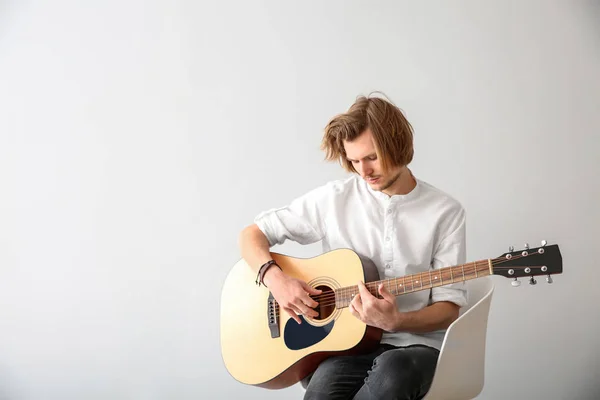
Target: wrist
<point>272,274</point>
<point>397,322</point>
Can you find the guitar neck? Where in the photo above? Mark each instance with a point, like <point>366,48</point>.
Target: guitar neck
<point>417,282</point>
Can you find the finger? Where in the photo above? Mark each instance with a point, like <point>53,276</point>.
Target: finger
<point>364,292</point>
<point>306,299</point>
<point>354,312</point>
<point>295,309</point>
<point>304,309</point>
<point>292,314</point>
<point>386,295</point>
<point>309,301</point>
<point>366,298</point>
<point>357,303</point>
<point>310,289</point>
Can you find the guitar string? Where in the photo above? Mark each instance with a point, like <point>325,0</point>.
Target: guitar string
<point>407,288</point>
<point>469,268</point>
<point>411,287</point>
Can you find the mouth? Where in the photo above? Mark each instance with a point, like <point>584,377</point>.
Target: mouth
<point>372,180</point>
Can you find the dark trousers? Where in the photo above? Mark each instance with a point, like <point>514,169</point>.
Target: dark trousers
<point>387,373</point>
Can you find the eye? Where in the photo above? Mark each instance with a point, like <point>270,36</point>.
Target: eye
<point>373,158</point>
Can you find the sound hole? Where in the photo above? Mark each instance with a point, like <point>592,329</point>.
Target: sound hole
<point>326,302</point>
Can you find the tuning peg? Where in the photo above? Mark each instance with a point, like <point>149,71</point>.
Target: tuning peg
<point>532,281</point>
<point>516,282</point>
<point>544,243</point>
<point>526,246</point>
<point>549,279</point>
<point>511,249</point>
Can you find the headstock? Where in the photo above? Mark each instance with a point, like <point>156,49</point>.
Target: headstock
<point>544,260</point>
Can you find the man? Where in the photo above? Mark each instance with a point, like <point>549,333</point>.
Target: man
<point>403,224</point>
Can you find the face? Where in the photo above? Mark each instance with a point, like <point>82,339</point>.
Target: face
<point>363,156</point>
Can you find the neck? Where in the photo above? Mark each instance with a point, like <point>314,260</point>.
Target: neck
<point>404,183</point>
<point>417,282</point>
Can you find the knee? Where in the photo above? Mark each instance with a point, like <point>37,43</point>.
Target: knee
<point>399,373</point>
<point>400,362</point>
<point>395,369</point>
<point>323,375</point>
<point>329,367</point>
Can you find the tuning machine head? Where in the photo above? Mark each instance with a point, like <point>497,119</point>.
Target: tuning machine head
<point>516,282</point>
<point>532,281</point>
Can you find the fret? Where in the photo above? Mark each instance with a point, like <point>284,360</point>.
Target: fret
<point>463,271</point>
<point>451,276</point>
<point>430,281</point>
<point>475,269</point>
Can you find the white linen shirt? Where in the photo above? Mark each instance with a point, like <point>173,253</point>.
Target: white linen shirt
<point>401,234</point>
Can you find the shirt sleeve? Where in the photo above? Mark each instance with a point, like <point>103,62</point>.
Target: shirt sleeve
<point>451,251</point>
<point>300,221</point>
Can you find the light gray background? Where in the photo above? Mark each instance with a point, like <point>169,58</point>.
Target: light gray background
<point>138,139</point>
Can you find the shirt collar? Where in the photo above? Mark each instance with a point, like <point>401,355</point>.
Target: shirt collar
<point>396,197</point>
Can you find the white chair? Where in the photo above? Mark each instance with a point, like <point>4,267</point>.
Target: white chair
<point>460,371</point>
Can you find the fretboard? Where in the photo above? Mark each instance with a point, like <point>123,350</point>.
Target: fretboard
<point>417,282</point>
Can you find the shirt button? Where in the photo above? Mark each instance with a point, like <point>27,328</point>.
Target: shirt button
<point>387,239</point>
<point>390,211</point>
<point>388,266</point>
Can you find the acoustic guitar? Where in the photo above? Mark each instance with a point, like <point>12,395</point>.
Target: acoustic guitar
<point>265,347</point>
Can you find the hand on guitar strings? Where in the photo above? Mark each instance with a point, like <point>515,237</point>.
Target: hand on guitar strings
<point>293,295</point>
<point>380,313</point>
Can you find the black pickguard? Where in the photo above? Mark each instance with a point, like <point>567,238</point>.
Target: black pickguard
<point>300,336</point>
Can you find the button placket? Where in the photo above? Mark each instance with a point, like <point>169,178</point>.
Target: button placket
<point>389,237</point>
<point>388,231</point>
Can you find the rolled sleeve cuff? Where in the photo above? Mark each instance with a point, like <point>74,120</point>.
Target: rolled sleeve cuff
<point>266,228</point>
<point>457,296</point>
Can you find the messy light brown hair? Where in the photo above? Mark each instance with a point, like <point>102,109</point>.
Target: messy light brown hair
<point>392,133</point>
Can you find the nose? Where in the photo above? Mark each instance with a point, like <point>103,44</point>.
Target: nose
<point>364,169</point>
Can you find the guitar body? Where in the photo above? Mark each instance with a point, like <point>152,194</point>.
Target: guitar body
<point>274,351</point>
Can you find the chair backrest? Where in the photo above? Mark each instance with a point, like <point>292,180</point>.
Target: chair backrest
<point>461,366</point>
<point>477,289</point>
